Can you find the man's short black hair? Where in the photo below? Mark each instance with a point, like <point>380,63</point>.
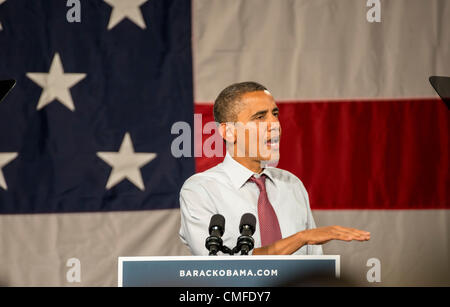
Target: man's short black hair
<point>226,104</point>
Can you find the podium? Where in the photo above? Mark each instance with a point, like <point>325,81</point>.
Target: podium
<point>227,271</point>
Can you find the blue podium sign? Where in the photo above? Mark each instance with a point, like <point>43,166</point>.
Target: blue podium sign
<point>226,271</point>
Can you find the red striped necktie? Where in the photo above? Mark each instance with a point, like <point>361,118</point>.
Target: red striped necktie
<point>267,218</point>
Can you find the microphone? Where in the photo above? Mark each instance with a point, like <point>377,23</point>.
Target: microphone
<point>216,229</point>
<point>245,242</point>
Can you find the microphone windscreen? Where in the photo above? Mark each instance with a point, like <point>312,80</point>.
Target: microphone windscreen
<point>248,219</point>
<point>217,220</point>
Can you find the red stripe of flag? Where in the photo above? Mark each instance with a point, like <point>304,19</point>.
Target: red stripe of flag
<point>371,154</point>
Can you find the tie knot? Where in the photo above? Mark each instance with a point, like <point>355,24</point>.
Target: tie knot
<point>260,182</point>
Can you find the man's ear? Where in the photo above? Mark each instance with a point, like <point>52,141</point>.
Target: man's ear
<point>228,132</point>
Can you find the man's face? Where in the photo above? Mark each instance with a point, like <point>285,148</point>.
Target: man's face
<point>258,129</point>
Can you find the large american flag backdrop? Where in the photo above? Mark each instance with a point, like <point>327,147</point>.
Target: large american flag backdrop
<point>86,169</point>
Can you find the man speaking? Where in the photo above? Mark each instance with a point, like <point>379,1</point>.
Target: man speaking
<point>247,182</point>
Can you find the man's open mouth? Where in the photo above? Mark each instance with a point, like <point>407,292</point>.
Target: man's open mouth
<point>274,141</point>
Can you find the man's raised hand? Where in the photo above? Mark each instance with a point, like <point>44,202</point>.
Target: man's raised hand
<point>323,235</point>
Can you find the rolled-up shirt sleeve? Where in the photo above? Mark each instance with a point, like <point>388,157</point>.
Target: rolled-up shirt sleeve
<point>196,210</point>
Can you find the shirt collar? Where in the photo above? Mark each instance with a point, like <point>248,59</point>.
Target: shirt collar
<point>238,173</point>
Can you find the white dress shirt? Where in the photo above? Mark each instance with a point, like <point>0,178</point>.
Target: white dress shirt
<point>224,189</point>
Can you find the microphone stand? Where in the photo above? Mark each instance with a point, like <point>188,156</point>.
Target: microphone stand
<point>227,250</point>
<point>245,242</point>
